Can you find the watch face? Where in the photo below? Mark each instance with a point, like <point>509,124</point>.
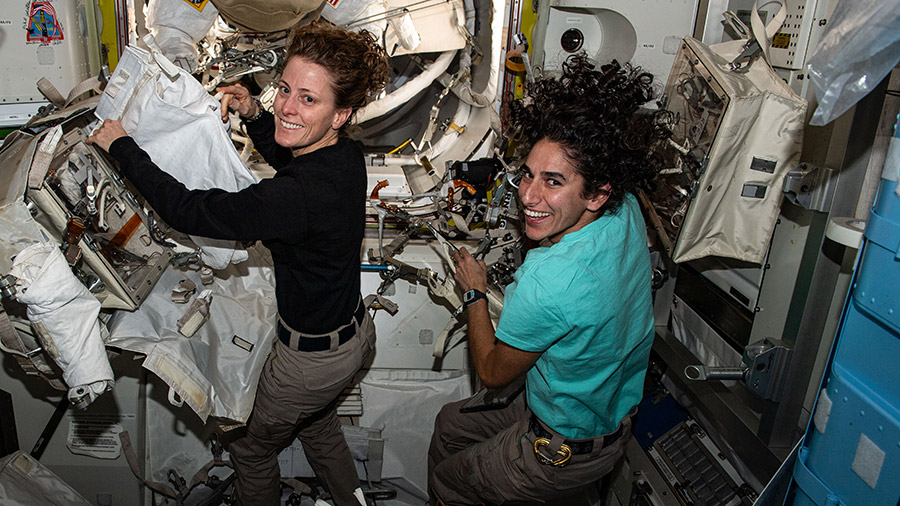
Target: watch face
<point>472,296</point>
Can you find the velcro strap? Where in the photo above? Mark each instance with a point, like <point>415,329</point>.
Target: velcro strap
<point>50,92</point>
<point>34,364</point>
<point>40,164</point>
<point>89,84</point>
<point>131,458</point>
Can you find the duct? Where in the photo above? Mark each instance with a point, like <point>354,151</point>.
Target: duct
<point>467,96</point>
<point>405,26</point>
<point>464,90</point>
<point>406,92</point>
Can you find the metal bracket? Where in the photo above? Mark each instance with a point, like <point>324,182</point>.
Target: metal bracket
<point>763,369</point>
<point>810,187</point>
<point>742,62</point>
<point>767,363</point>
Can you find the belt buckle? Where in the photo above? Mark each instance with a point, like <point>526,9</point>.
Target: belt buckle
<point>563,454</point>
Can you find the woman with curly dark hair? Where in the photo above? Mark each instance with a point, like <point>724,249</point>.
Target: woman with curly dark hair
<point>577,321</point>
<point>311,216</point>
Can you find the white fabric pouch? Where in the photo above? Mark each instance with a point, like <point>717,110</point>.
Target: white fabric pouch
<point>748,124</point>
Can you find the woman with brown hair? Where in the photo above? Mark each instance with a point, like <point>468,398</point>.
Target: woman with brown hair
<point>311,216</point>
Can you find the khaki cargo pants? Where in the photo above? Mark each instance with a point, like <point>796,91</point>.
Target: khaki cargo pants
<point>488,457</point>
<point>297,397</point>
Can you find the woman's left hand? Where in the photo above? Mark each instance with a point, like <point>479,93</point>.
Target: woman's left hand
<point>109,131</point>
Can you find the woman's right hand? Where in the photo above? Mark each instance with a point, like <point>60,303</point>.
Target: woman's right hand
<point>471,273</point>
<point>238,98</point>
<point>106,133</point>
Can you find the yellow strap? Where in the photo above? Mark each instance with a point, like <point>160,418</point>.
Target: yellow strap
<point>514,61</point>
<point>459,129</point>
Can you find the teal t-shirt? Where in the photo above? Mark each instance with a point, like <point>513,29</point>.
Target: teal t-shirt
<point>585,304</point>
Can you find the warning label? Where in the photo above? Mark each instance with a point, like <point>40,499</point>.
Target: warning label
<point>96,436</point>
<point>197,4</point>
<point>781,40</point>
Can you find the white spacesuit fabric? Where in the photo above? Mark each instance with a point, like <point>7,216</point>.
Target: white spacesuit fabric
<point>177,26</point>
<point>57,301</point>
<point>214,372</point>
<point>25,482</point>
<point>178,124</point>
<point>172,117</point>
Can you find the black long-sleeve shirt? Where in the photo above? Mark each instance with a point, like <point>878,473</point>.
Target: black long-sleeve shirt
<point>311,216</point>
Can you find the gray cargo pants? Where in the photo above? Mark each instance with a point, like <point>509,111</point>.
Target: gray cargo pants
<point>488,457</point>
<point>297,397</point>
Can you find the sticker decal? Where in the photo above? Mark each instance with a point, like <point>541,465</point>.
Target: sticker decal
<point>781,40</point>
<point>43,24</point>
<point>197,4</point>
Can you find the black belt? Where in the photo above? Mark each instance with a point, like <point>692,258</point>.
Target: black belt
<point>322,343</point>
<point>578,447</point>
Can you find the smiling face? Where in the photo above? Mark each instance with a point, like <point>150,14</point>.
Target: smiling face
<point>306,117</point>
<point>553,194</point>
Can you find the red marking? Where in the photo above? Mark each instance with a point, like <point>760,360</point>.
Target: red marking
<point>123,235</point>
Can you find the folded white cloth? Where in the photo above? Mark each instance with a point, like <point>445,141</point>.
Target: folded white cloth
<point>57,301</point>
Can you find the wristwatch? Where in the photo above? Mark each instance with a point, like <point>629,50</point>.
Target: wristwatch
<point>472,296</point>
<point>259,111</point>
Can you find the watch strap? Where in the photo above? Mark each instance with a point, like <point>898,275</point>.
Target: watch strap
<point>472,296</point>
<point>259,111</point>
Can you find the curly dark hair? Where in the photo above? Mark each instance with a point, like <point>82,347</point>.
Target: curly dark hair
<point>595,116</point>
<point>357,64</point>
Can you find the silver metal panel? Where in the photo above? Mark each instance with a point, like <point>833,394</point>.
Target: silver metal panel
<point>406,339</point>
